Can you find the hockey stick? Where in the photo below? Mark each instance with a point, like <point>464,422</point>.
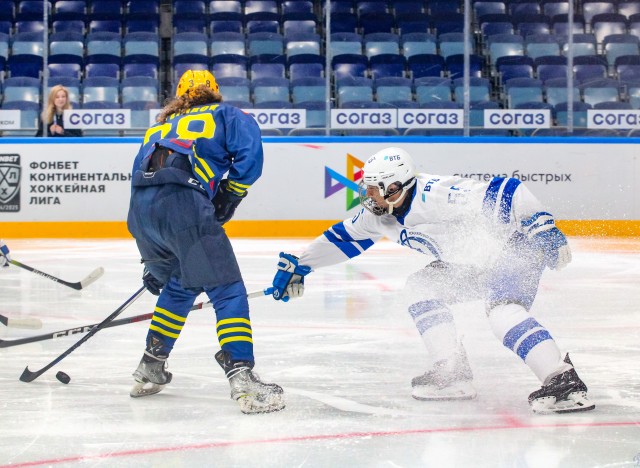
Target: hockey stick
<point>113,323</point>
<point>20,323</point>
<point>29,376</point>
<point>94,275</point>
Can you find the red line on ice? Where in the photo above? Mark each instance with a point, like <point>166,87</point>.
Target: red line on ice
<point>513,424</point>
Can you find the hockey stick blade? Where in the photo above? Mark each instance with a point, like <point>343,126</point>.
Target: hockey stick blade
<point>30,376</point>
<point>31,323</point>
<point>114,323</point>
<point>94,275</point>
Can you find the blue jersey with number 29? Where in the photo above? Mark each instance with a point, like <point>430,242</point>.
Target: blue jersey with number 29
<point>218,138</point>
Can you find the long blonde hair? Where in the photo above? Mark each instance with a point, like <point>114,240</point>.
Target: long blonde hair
<point>50,109</point>
<point>193,97</point>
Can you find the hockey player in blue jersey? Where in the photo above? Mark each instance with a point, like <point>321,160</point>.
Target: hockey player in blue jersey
<point>488,241</point>
<point>179,202</point>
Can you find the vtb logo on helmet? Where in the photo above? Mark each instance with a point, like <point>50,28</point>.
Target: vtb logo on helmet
<point>194,78</point>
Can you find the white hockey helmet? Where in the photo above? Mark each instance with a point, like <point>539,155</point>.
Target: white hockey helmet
<point>391,170</point>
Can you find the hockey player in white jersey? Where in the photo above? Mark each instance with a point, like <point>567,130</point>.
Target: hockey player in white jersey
<point>488,241</point>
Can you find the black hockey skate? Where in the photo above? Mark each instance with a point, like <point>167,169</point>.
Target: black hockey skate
<point>253,395</point>
<point>562,393</point>
<point>449,379</point>
<point>151,375</point>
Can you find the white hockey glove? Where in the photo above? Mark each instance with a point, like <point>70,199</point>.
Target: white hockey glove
<point>289,280</point>
<point>552,243</point>
<point>5,258</point>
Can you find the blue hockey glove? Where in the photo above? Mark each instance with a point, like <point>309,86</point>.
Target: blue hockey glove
<point>5,258</point>
<point>226,200</point>
<point>289,280</point>
<point>553,245</point>
<point>153,285</point>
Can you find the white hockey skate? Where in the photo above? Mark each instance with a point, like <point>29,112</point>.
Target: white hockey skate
<point>253,395</point>
<point>151,376</point>
<point>562,393</point>
<point>449,379</point>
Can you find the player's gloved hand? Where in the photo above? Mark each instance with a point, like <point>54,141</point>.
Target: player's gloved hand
<point>554,247</point>
<point>225,201</point>
<point>5,258</point>
<point>289,280</point>
<point>153,285</point>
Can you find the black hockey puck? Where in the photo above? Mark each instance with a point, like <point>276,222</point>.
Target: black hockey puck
<point>62,377</point>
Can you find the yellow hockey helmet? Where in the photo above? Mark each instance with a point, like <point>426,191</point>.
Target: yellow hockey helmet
<point>193,79</point>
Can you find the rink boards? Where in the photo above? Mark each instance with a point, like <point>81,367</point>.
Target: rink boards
<point>79,187</point>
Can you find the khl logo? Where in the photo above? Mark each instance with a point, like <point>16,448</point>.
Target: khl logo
<point>10,173</point>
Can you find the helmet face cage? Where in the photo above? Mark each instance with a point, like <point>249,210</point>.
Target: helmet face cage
<point>194,78</point>
<point>390,171</point>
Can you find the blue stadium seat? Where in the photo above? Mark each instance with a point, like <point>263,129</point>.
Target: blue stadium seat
<point>556,91</point>
<point>606,24</point>
<point>102,65</point>
<point>412,23</point>
<point>305,65</point>
<point>345,43</point>
<point>261,22</point>
<point>502,45</point>
<point>514,66</point>
<point>225,22</point>
<point>366,7</point>
<point>627,68</point>
<point>422,65</point>
<point>261,43</point>
<point>476,112</point>
<point>560,25</point>
<point>139,116</point>
<point>105,25</point>
<point>430,89</point>
<point>141,43</point>
<point>298,23</point>
<point>354,89</point>
<point>104,43</point>
<point>455,65</point>
<point>387,65</point>
<point>185,62</point>
<point>591,8</point>
<point>479,89</point>
<point>30,10</point>
<point>227,43</point>
<point>25,65</point>
<point>579,114</point>
<point>527,25</point>
<point>21,89</point>
<point>444,23</point>
<point>302,44</point>
<point>229,66</point>
<point>605,90</point>
<point>109,9</point>
<point>493,24</point>
<point>260,6</point>
<point>28,44</point>
<point>349,65</point>
<point>381,43</point>
<point>482,8</point>
<point>77,26</point>
<point>267,66</point>
<point>589,68</point>
<point>542,45</point>
<point>390,89</point>
<point>343,22</point>
<point>225,6</point>
<point>629,8</point>
<point>69,10</point>
<point>524,7</point>
<point>316,113</point>
<point>418,43</point>
<point>65,65</point>
<point>151,25</point>
<point>139,89</point>
<point>406,7</point>
<point>139,65</point>
<point>28,27</point>
<point>269,89</point>
<point>234,88</point>
<point>296,6</point>
<point>190,43</point>
<point>521,90</point>
<point>101,89</point>
<point>583,44</point>
<point>308,89</point>
<point>552,8</point>
<point>618,45</point>
<point>67,43</point>
<point>551,66</point>
<point>452,44</point>
<point>633,92</point>
<point>376,22</point>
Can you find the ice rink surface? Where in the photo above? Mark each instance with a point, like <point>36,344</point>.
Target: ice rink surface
<point>345,354</point>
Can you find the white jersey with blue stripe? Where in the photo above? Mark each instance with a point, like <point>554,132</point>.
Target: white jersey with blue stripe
<point>451,218</point>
